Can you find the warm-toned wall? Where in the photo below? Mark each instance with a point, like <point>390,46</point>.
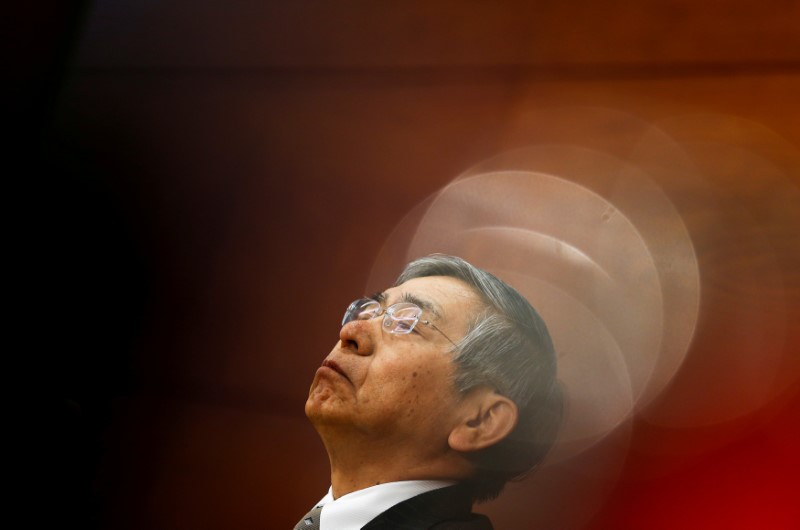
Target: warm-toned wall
<point>229,174</point>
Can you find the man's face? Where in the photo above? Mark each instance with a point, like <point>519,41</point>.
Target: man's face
<point>391,387</point>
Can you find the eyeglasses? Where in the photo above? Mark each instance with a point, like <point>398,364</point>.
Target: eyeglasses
<point>398,319</point>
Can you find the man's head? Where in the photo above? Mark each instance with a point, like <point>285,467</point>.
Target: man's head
<point>507,348</point>
<point>469,393</point>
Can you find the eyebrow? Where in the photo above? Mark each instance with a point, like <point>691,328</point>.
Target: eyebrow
<point>423,304</point>
<point>412,299</point>
<point>378,297</point>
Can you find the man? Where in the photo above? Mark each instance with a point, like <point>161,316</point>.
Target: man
<point>440,390</point>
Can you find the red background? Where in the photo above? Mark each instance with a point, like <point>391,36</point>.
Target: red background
<point>210,186</point>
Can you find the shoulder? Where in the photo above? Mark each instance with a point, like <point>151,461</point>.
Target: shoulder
<point>474,522</point>
<point>442,509</point>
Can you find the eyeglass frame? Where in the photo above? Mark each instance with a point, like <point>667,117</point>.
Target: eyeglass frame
<point>388,316</point>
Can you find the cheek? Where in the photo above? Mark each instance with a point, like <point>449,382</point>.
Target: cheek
<point>411,395</point>
<point>402,384</point>
<point>424,391</point>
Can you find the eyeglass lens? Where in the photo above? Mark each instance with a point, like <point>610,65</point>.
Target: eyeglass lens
<point>399,318</point>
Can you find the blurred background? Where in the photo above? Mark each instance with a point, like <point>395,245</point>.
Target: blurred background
<point>207,185</point>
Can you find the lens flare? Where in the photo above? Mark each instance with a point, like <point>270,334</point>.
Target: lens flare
<point>666,263</point>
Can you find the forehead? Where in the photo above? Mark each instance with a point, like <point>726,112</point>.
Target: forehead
<point>445,297</point>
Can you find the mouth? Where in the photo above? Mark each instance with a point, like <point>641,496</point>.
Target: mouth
<point>335,367</point>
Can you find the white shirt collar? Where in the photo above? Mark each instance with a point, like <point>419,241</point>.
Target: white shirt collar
<point>356,509</point>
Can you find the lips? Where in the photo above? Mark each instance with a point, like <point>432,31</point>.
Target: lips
<point>335,367</point>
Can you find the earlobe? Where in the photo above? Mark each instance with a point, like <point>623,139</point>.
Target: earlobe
<point>487,418</point>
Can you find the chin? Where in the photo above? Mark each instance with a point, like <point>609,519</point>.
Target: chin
<point>323,406</point>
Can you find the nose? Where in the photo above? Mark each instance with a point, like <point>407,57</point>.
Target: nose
<point>359,337</point>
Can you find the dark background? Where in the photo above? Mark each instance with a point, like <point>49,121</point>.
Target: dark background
<point>205,186</point>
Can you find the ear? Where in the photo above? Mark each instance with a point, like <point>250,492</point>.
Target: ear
<point>485,418</point>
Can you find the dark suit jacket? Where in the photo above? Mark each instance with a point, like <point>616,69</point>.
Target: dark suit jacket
<point>442,509</point>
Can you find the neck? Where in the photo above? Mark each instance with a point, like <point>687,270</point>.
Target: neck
<point>356,466</point>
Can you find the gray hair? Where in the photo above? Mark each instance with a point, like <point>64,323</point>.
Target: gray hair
<point>507,348</point>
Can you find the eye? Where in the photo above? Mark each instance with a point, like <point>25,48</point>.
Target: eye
<point>368,311</point>
<point>404,326</point>
<point>363,309</point>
